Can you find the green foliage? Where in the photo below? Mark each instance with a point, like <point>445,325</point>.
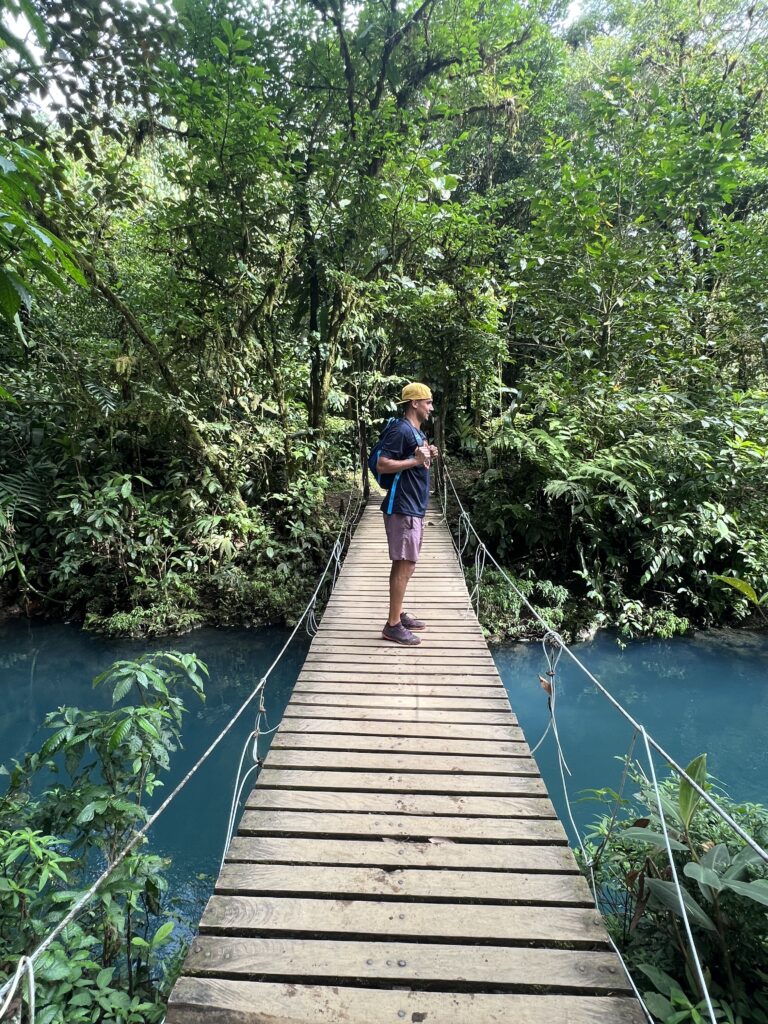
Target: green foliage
<point>224,250</point>
<point>501,610</point>
<point>627,477</point>
<point>27,248</point>
<point>73,805</point>
<point>725,891</point>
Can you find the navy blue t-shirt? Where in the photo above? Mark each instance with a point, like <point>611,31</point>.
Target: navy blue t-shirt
<point>408,491</point>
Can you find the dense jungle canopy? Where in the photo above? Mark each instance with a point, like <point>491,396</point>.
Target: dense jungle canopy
<point>230,231</point>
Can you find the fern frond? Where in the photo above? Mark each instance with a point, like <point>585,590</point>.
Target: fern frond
<point>106,399</point>
<point>566,489</point>
<point>20,492</point>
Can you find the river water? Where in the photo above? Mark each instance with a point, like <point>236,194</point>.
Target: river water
<point>708,693</point>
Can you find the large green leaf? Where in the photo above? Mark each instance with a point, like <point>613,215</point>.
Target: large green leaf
<point>16,44</point>
<point>742,586</point>
<point>709,881</point>
<point>119,734</point>
<point>688,798</point>
<point>647,835</point>
<point>30,13</point>
<point>757,890</point>
<point>162,934</point>
<point>716,857</point>
<point>664,982</point>
<point>10,299</point>
<point>666,894</point>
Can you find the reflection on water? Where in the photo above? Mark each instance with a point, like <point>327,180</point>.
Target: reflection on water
<point>46,666</point>
<point>708,693</point>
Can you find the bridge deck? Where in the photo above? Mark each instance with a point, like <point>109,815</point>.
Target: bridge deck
<point>399,858</point>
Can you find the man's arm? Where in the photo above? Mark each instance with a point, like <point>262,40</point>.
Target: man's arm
<point>387,465</point>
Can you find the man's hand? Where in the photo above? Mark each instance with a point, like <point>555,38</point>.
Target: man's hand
<point>433,451</point>
<point>423,455</point>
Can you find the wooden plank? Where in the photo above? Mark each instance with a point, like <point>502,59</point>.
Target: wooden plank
<point>382,650</point>
<point>466,732</point>
<point>425,827</point>
<point>423,591</point>
<point>375,564</point>
<point>449,619</point>
<point>480,732</point>
<point>226,1001</point>
<point>398,782</point>
<point>471,749</point>
<point>421,599</point>
<point>344,801</point>
<point>405,963</point>
<point>397,744</point>
<point>376,574</point>
<point>446,921</point>
<point>390,853</point>
<point>360,631</point>
<point>419,714</point>
<point>429,664</point>
<point>375,642</point>
<point>331,758</point>
<point>446,885</point>
<point>367,556</point>
<point>344,689</point>
<point>446,619</point>
<point>398,667</point>
<point>393,700</point>
<point>383,694</point>
<point>370,673</point>
<point>417,658</point>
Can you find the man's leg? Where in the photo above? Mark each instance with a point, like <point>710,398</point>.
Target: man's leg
<point>404,553</point>
<point>399,575</point>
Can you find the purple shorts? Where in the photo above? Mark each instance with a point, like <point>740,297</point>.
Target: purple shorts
<point>404,535</point>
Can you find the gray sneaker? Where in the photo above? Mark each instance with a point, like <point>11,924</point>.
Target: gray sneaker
<point>400,635</point>
<point>411,622</point>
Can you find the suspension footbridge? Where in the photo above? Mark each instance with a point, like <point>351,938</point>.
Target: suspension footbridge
<point>399,858</point>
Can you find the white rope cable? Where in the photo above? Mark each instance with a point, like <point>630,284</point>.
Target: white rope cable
<point>253,736</point>
<point>676,879</point>
<point>474,597</point>
<point>763,854</point>
<point>543,735</point>
<point>85,898</point>
<point>311,624</point>
<point>553,658</point>
<point>25,965</point>
<point>617,951</point>
<point>312,628</point>
<point>236,798</point>
<point>648,741</point>
<point>552,661</point>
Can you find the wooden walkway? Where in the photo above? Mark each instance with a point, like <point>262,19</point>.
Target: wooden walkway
<point>399,858</point>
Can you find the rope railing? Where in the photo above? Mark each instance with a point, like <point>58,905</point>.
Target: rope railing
<point>311,625</point>
<point>27,962</point>
<point>557,639</point>
<point>554,646</point>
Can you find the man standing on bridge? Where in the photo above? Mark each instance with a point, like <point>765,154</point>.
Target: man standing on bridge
<point>405,456</point>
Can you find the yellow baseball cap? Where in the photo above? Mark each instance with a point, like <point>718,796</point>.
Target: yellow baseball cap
<point>414,392</point>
